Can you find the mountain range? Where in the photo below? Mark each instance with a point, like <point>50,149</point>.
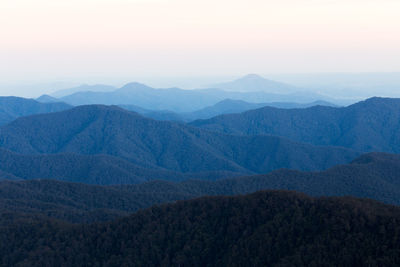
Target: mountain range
<point>119,185</point>
<point>374,175</point>
<point>256,83</point>
<point>370,125</point>
<point>83,88</point>
<point>226,106</point>
<point>12,108</point>
<point>163,145</point>
<point>182,101</point>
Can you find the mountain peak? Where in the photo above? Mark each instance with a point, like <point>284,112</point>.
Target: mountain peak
<point>134,86</point>
<point>47,99</point>
<point>252,77</point>
<point>378,102</point>
<point>256,83</point>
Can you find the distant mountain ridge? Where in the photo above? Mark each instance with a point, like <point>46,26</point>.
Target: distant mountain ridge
<point>230,106</point>
<point>83,88</point>
<point>180,100</point>
<point>370,125</point>
<point>47,99</point>
<point>256,83</point>
<point>226,106</point>
<point>12,107</point>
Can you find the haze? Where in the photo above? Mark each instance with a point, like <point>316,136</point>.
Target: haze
<point>122,40</point>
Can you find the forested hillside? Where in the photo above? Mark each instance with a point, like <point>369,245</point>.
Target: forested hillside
<point>263,229</point>
<point>160,144</point>
<point>375,176</point>
<point>370,125</point>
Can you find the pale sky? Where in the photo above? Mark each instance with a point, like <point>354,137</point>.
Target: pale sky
<point>57,39</point>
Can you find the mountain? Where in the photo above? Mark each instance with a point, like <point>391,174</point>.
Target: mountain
<point>373,175</point>
<point>179,100</point>
<point>226,106</point>
<point>289,105</point>
<point>161,144</point>
<point>229,106</point>
<point>256,83</point>
<point>270,228</point>
<point>83,88</point>
<point>47,99</point>
<point>13,107</point>
<point>370,125</point>
<point>137,94</point>
<point>223,107</point>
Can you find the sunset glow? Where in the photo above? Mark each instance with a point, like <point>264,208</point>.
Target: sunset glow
<point>64,38</point>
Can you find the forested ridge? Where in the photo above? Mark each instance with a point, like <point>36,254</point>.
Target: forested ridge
<point>102,186</point>
<point>100,169</point>
<point>374,175</point>
<point>371,125</point>
<point>152,144</point>
<point>265,228</point>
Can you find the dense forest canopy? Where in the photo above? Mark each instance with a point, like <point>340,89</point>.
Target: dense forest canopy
<point>266,228</point>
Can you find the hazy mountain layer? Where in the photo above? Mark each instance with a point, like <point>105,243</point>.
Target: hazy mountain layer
<point>180,100</point>
<point>226,106</point>
<point>256,83</point>
<point>12,107</point>
<point>83,88</point>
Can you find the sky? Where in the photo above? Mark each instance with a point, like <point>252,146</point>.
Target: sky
<point>77,40</point>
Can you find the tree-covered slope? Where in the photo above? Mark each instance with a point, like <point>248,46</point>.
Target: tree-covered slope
<point>89,169</point>
<point>261,229</point>
<point>160,144</point>
<point>375,176</point>
<point>370,125</point>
